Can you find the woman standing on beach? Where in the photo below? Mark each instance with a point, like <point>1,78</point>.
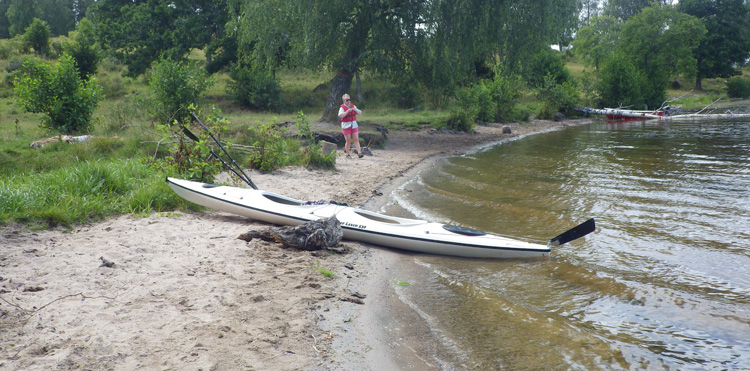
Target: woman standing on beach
<point>348,115</point>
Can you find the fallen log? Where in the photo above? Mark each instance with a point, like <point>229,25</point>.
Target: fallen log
<point>314,235</point>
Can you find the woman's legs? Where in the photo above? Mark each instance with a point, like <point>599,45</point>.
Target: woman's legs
<point>348,144</point>
<point>355,138</point>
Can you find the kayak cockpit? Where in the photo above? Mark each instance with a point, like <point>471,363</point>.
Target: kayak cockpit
<point>282,200</point>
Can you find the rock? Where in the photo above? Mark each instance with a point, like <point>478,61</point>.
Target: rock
<point>559,116</point>
<point>327,148</point>
<point>506,129</point>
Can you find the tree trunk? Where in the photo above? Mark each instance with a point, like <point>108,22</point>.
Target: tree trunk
<point>698,83</point>
<point>340,85</point>
<point>360,99</point>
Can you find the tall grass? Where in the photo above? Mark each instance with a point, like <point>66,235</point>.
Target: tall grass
<point>87,192</point>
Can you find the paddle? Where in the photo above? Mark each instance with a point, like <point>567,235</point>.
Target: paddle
<point>242,176</point>
<point>573,233</point>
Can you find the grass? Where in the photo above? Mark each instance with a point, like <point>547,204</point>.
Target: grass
<point>87,191</point>
<point>67,184</point>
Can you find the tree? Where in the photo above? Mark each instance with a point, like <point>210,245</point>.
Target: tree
<point>4,23</point>
<point>60,15</point>
<point>727,42</point>
<point>660,42</point>
<point>37,36</point>
<point>20,14</point>
<point>624,9</point>
<point>59,92</point>
<point>619,83</point>
<point>84,49</point>
<point>596,42</point>
<point>176,86</point>
<point>437,43</point>
<point>140,31</point>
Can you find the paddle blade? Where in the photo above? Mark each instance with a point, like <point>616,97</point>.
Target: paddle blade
<point>190,135</point>
<point>574,233</point>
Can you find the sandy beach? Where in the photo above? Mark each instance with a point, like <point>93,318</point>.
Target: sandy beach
<point>183,293</point>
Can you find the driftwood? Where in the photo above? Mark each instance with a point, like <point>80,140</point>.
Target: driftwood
<point>64,138</point>
<point>313,235</point>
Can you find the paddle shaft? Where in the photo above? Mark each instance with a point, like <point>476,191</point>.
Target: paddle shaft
<point>244,176</point>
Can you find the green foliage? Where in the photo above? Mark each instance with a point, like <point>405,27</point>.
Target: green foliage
<point>254,88</point>
<point>727,42</point>
<point>465,110</point>
<point>312,155</point>
<point>86,192</point>
<point>619,84</point>
<point>505,90</point>
<point>37,36</point>
<point>60,93</point>
<point>596,42</point>
<point>270,147</point>
<point>83,49</point>
<point>557,97</point>
<point>324,271</point>
<point>489,100</point>
<point>187,157</point>
<point>406,94</point>
<point>738,87</point>
<point>660,42</point>
<point>545,64</point>
<point>175,86</point>
<point>137,32</point>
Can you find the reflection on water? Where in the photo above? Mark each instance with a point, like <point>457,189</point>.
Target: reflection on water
<point>662,284</point>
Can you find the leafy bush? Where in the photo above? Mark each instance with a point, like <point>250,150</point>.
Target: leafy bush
<point>738,87</point>
<point>254,88</point>
<point>68,101</point>
<point>546,63</point>
<point>37,36</point>
<point>312,154</point>
<point>556,98</point>
<point>505,91</point>
<point>176,86</point>
<point>465,110</point>
<point>83,49</point>
<point>489,100</point>
<point>406,95</point>
<point>619,84</point>
<point>189,158</point>
<point>270,147</point>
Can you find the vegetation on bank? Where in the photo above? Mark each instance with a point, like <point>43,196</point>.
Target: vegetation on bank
<point>256,88</point>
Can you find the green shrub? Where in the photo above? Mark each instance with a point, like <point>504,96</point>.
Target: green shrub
<point>270,148</point>
<point>60,93</point>
<point>738,87</point>
<point>619,84</point>
<point>406,95</point>
<point>176,86</point>
<point>254,88</point>
<point>505,91</point>
<point>465,110</point>
<point>546,63</point>
<point>37,36</point>
<point>312,154</point>
<point>83,49</point>
<point>187,157</point>
<point>556,98</point>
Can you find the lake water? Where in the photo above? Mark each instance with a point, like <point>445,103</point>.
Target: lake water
<point>663,283</point>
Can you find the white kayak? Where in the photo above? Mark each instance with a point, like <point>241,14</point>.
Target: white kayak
<point>367,226</point>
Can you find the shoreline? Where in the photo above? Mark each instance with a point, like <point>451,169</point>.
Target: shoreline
<point>185,293</point>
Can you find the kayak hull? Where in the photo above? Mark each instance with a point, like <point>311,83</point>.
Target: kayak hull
<point>358,224</point>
